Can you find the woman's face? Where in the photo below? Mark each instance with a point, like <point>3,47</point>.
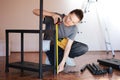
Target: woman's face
<point>70,20</point>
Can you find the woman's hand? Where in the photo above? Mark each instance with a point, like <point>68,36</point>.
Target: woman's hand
<point>56,17</point>
<point>61,67</point>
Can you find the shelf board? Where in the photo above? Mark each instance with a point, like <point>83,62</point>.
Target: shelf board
<point>30,66</point>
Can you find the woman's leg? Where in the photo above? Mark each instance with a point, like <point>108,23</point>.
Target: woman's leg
<point>78,49</point>
<point>60,54</point>
<point>50,54</point>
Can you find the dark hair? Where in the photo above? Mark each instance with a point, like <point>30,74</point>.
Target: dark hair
<point>78,13</point>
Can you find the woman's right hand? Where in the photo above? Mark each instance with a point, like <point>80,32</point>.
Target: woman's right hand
<point>56,17</point>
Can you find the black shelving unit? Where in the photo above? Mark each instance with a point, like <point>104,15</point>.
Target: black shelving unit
<point>23,65</point>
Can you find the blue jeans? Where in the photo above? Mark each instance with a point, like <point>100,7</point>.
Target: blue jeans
<point>77,50</point>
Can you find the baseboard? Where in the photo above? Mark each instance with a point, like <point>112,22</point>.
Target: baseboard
<point>88,51</point>
<point>103,51</point>
<point>25,52</point>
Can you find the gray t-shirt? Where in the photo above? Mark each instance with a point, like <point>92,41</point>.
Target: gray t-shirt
<point>68,32</point>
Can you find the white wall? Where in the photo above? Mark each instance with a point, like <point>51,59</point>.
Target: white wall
<point>16,14</point>
<point>2,48</point>
<point>108,11</point>
<point>104,26</point>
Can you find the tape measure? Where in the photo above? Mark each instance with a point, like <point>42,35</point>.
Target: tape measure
<point>56,47</point>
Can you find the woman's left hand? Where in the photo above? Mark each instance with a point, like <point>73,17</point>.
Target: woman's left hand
<point>61,67</point>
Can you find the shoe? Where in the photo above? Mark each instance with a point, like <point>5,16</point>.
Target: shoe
<point>70,62</point>
<point>47,61</point>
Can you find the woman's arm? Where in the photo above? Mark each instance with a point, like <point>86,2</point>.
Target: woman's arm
<point>47,13</point>
<point>66,53</point>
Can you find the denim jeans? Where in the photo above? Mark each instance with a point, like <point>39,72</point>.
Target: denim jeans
<point>77,50</point>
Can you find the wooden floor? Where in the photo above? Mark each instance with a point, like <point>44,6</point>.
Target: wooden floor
<point>70,73</point>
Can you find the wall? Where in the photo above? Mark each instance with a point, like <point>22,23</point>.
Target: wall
<point>108,12</point>
<point>2,48</point>
<point>16,14</point>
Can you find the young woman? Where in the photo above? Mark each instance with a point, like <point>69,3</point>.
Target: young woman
<point>67,32</point>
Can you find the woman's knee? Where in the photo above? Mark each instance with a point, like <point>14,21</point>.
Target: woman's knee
<point>79,50</point>
<point>85,49</point>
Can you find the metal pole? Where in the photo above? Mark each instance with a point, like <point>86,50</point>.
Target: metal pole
<point>40,39</point>
<point>7,50</point>
<point>22,49</point>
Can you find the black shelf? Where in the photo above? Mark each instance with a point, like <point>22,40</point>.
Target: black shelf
<point>30,66</point>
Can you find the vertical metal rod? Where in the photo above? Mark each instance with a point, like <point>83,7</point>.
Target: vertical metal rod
<point>40,39</point>
<point>22,47</point>
<point>55,46</point>
<point>7,50</point>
